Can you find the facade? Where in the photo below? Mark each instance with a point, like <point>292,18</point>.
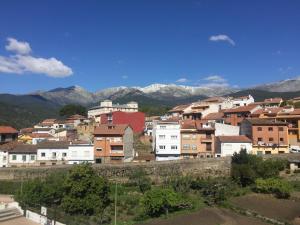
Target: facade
<point>7,134</point>
<point>268,136</point>
<point>107,107</point>
<point>3,158</point>
<point>243,101</point>
<point>235,116</point>
<point>136,120</point>
<point>80,153</point>
<point>222,129</point>
<point>197,139</point>
<point>113,143</point>
<point>228,145</point>
<point>166,140</point>
<point>52,153</point>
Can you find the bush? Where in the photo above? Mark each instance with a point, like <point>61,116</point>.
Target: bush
<point>280,188</point>
<point>140,179</point>
<point>160,201</point>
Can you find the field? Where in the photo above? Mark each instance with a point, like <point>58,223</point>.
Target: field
<point>208,216</point>
<point>267,205</point>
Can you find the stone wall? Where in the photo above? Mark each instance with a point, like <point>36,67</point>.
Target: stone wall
<point>213,167</point>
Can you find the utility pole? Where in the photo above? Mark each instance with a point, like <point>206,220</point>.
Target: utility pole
<point>116,189</point>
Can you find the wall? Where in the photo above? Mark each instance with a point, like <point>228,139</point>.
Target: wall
<point>80,153</point>
<point>222,129</point>
<point>228,149</point>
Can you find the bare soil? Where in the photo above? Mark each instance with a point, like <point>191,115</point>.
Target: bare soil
<point>269,206</point>
<point>19,221</point>
<point>208,216</point>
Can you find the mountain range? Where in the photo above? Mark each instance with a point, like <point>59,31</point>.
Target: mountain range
<point>25,110</point>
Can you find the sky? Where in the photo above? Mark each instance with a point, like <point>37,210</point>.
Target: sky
<point>97,44</point>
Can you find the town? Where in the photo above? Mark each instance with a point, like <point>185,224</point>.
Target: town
<point>209,128</point>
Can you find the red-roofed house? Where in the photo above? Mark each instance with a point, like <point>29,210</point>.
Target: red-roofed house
<point>7,134</point>
<point>113,143</point>
<point>228,145</point>
<point>235,116</point>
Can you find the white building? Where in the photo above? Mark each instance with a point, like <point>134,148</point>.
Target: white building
<point>52,152</point>
<point>228,145</point>
<point>80,153</point>
<point>107,106</point>
<point>243,101</point>
<point>166,140</point>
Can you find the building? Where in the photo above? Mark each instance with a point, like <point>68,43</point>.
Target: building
<point>217,117</point>
<point>52,152</point>
<point>235,116</point>
<point>7,134</point>
<point>80,153</point>
<point>222,129</point>
<point>113,143</point>
<point>228,145</point>
<point>197,139</point>
<point>275,102</point>
<point>136,120</point>
<point>166,140</point>
<point>268,136</point>
<point>18,154</point>
<point>74,120</point>
<point>243,101</point>
<point>107,107</point>
<point>47,123</point>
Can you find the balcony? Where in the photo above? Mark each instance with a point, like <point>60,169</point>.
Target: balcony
<point>189,151</point>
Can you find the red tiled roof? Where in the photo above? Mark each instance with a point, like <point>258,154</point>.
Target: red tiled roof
<point>273,100</point>
<point>7,130</point>
<point>18,147</point>
<point>234,139</point>
<point>179,108</point>
<point>295,112</point>
<point>214,99</point>
<point>40,135</point>
<point>262,121</point>
<point>214,116</point>
<point>105,129</point>
<point>26,130</point>
<point>188,124</point>
<point>270,110</point>
<point>247,108</point>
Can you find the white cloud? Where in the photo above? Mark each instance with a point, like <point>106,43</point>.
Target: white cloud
<point>215,79</point>
<point>21,63</point>
<point>18,46</point>
<point>182,80</point>
<point>222,37</point>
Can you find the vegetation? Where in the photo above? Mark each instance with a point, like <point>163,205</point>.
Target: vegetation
<point>72,109</point>
<point>278,187</point>
<point>139,179</point>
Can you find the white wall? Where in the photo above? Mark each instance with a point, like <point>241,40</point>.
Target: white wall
<point>228,149</point>
<point>20,160</point>
<point>80,153</point>
<point>3,159</point>
<point>226,130</point>
<point>167,135</point>
<point>49,154</point>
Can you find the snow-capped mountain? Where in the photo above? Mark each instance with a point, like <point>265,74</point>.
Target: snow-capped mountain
<point>282,86</point>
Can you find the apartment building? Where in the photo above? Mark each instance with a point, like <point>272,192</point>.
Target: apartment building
<point>113,143</point>
<point>228,145</point>
<point>235,116</point>
<point>7,134</point>
<point>107,107</point>
<point>136,120</point>
<point>197,139</point>
<point>268,136</point>
<point>166,140</point>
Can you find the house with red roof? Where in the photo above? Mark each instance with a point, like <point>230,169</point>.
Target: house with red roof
<point>7,134</point>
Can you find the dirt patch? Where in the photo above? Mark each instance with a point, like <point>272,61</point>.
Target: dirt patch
<point>208,216</point>
<point>267,205</point>
<point>19,221</point>
<point>6,199</point>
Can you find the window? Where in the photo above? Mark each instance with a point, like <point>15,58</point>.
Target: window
<point>259,139</point>
<point>163,127</point>
<point>14,157</point>
<point>99,149</point>
<point>208,146</point>
<point>64,154</point>
<point>185,136</point>
<point>32,157</point>
<point>268,152</point>
<point>162,136</point>
<point>271,139</point>
<point>43,154</point>
<point>281,139</point>
<point>194,147</point>
<point>186,146</point>
<point>173,147</point>
<point>270,129</point>
<point>53,154</point>
<point>259,129</point>
<point>23,157</point>
<point>162,147</point>
<point>239,115</point>
<point>174,137</point>
<point>280,128</point>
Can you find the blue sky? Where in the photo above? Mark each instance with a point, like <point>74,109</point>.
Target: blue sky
<point>98,44</point>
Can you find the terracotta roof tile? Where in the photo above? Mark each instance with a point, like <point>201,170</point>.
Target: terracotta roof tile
<point>18,147</point>
<point>105,129</point>
<point>247,108</point>
<point>214,116</point>
<point>234,139</point>
<point>260,121</point>
<point>7,130</point>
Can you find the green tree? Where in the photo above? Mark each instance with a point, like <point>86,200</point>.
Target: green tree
<point>280,188</point>
<point>140,179</point>
<point>158,201</point>
<point>71,109</point>
<point>85,192</point>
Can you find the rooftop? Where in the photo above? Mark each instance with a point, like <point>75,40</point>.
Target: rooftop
<point>247,108</point>
<point>18,147</point>
<point>234,139</point>
<point>105,129</point>
<point>259,121</point>
<point>53,145</point>
<point>7,130</point>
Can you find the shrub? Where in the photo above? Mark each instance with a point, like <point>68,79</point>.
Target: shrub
<point>140,179</point>
<point>280,188</point>
<point>160,201</point>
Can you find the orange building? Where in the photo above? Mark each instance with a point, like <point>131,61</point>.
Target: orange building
<point>197,139</point>
<point>235,116</point>
<point>113,143</point>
